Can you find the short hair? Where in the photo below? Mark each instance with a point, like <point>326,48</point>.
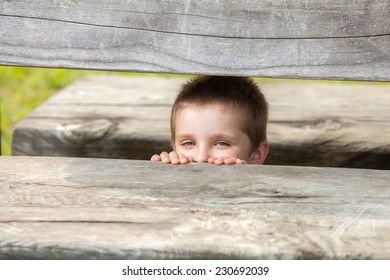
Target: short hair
<point>238,93</point>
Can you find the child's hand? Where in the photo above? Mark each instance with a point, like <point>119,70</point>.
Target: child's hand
<point>172,158</point>
<point>231,160</point>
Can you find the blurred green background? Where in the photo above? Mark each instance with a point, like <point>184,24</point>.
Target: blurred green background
<point>23,89</point>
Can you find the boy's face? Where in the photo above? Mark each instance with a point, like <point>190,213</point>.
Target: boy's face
<point>210,131</point>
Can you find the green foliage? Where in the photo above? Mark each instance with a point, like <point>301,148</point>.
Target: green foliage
<point>23,89</point>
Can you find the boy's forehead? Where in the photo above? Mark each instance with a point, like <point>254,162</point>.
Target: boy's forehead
<point>212,108</point>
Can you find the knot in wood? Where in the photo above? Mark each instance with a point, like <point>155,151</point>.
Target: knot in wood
<point>80,134</point>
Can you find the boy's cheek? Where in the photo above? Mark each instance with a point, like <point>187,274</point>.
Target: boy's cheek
<point>216,153</point>
<point>175,147</point>
<point>228,153</point>
<point>180,150</point>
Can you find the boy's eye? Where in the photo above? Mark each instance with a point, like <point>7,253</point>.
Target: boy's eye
<point>222,143</point>
<point>188,143</point>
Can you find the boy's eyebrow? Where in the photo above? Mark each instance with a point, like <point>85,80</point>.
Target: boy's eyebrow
<point>220,135</point>
<point>216,136</point>
<point>184,136</point>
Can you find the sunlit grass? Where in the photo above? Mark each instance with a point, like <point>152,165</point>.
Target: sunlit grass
<point>23,89</point>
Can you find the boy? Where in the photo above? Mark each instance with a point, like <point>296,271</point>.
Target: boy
<point>219,120</point>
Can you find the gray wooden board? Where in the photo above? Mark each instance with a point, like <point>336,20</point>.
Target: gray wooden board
<point>111,116</point>
<point>66,208</point>
<point>311,39</point>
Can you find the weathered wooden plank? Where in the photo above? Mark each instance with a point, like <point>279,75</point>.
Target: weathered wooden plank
<point>128,117</point>
<point>270,19</point>
<point>311,39</point>
<point>56,208</point>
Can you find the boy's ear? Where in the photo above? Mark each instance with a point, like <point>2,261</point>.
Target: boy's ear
<point>259,155</point>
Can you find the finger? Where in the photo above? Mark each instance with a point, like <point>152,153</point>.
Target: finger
<point>190,159</point>
<point>183,159</point>
<point>230,160</point>
<point>174,158</point>
<point>240,161</point>
<point>219,161</point>
<point>155,158</point>
<point>165,157</point>
<point>211,160</point>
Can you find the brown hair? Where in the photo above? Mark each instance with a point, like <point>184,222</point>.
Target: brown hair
<point>239,93</point>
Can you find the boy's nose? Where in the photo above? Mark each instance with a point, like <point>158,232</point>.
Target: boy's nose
<point>202,155</point>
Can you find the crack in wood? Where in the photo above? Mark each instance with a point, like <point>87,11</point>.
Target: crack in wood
<point>198,35</point>
<point>33,221</point>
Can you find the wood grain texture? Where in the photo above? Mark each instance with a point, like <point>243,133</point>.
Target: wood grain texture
<point>305,39</point>
<point>66,208</point>
<point>320,124</point>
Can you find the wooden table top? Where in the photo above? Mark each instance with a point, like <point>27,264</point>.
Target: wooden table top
<point>75,208</point>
